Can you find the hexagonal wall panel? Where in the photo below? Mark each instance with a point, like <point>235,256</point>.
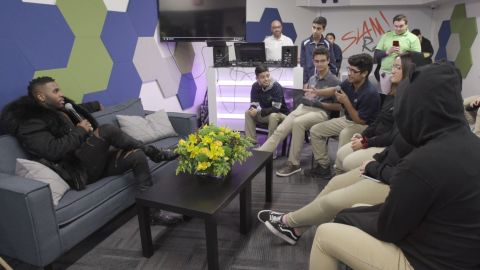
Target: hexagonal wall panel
<point>257,31</point>
<point>116,5</point>
<point>85,18</point>
<point>149,63</point>
<point>143,15</point>
<point>119,36</point>
<point>124,84</point>
<point>153,100</point>
<point>88,70</point>
<point>15,71</point>
<point>184,56</point>
<point>7,15</point>
<point>467,30</point>
<point>187,91</point>
<point>47,44</point>
<point>453,46</point>
<point>443,35</point>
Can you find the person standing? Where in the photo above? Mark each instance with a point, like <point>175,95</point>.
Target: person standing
<point>274,43</point>
<point>391,44</point>
<point>267,104</point>
<point>426,45</point>
<point>336,50</point>
<point>310,44</point>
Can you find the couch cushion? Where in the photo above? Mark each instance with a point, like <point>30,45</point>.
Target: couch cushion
<point>108,115</point>
<point>153,127</point>
<point>167,142</point>
<point>11,150</point>
<point>75,204</point>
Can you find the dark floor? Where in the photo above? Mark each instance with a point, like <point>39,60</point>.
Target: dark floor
<point>117,245</point>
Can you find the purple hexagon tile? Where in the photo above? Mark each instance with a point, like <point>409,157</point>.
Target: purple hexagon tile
<point>143,15</point>
<point>15,71</point>
<point>119,36</point>
<point>187,91</point>
<point>124,84</point>
<point>48,44</point>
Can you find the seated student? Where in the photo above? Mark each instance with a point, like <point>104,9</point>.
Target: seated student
<point>267,104</point>
<point>77,149</point>
<point>431,217</point>
<point>472,114</point>
<point>361,102</point>
<point>377,135</point>
<point>311,111</point>
<point>341,192</point>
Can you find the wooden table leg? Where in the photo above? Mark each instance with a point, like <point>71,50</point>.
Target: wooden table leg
<point>212,243</point>
<point>145,231</point>
<point>246,208</point>
<point>268,181</point>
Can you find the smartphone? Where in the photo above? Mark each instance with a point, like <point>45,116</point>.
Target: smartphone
<point>396,43</point>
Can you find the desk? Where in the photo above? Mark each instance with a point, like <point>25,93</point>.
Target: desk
<point>229,91</point>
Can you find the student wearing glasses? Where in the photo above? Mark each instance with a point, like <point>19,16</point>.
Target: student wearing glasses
<point>361,102</point>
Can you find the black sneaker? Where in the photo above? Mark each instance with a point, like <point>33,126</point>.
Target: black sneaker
<point>269,215</point>
<point>159,154</point>
<point>288,169</point>
<point>318,172</point>
<point>283,231</point>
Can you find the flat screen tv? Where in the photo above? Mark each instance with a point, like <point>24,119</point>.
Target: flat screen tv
<point>202,20</point>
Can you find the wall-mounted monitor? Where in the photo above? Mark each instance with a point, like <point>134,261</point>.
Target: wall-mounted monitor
<point>201,20</point>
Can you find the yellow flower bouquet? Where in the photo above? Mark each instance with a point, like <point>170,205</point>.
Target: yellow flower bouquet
<point>211,151</point>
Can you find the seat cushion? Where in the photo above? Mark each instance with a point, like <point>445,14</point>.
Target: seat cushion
<point>75,204</point>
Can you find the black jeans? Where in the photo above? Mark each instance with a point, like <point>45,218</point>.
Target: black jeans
<point>99,160</point>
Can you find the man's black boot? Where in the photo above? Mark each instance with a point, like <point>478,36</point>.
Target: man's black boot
<point>157,155</point>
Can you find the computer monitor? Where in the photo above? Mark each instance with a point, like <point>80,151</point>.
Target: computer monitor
<point>250,52</point>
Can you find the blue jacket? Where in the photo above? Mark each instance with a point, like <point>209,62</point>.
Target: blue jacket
<point>306,56</point>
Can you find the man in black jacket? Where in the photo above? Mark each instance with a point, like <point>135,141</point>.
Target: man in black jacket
<point>431,217</point>
<point>71,143</point>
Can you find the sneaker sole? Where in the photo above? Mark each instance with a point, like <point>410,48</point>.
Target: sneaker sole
<point>288,174</point>
<point>280,235</point>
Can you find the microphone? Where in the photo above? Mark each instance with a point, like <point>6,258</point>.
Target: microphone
<point>70,108</point>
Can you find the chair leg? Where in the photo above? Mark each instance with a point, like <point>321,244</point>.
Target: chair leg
<point>284,147</point>
<point>4,264</point>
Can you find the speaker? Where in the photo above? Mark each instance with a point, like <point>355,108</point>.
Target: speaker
<point>220,56</point>
<point>289,56</point>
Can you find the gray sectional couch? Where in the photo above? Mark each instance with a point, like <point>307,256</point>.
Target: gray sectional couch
<point>33,230</point>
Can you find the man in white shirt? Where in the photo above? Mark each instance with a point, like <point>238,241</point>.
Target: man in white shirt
<point>274,43</point>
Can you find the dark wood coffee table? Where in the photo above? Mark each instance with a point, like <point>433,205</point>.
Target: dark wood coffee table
<point>194,197</point>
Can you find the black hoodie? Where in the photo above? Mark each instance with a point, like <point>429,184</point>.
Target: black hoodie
<point>433,209</point>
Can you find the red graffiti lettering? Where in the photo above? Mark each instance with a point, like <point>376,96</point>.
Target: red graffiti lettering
<point>369,26</point>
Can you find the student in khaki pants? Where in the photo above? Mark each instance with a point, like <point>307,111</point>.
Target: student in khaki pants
<point>361,102</point>
<point>378,135</point>
<point>311,111</point>
<point>267,104</point>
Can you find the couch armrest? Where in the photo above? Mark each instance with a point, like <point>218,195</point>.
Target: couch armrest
<point>183,123</point>
<point>28,226</point>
